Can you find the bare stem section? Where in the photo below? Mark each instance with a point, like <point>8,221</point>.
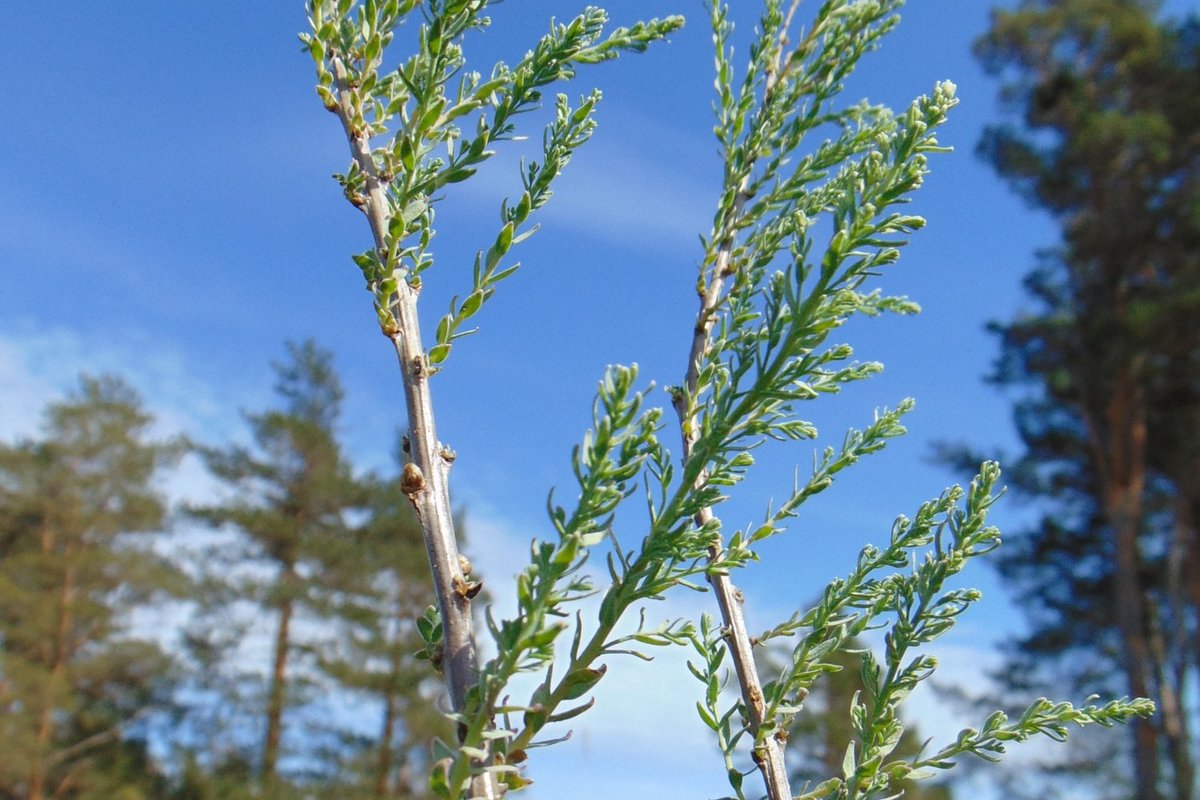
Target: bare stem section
<point>768,753</point>
<point>425,477</point>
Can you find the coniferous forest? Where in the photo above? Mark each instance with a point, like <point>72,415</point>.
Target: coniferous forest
<point>294,597</point>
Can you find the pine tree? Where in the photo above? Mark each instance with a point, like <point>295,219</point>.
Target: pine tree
<point>292,496</point>
<point>1110,101</point>
<point>376,591</point>
<point>75,680</point>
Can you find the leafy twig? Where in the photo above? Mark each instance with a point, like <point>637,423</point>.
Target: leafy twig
<point>395,186</point>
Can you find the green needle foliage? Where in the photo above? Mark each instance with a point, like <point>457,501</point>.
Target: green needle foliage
<point>76,506</point>
<point>817,738</point>
<point>809,213</point>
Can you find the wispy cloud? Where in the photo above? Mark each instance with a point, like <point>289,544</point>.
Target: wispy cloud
<point>41,367</point>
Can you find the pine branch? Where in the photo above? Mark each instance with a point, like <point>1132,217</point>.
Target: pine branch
<point>759,349</point>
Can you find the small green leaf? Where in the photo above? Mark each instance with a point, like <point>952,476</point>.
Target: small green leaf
<point>581,681</point>
<point>735,780</point>
<point>457,175</point>
<point>571,713</point>
<point>415,208</point>
<point>431,114</point>
<point>443,330</point>
<point>535,718</point>
<point>515,781</point>
<point>504,240</point>
<point>471,305</point>
<point>439,780</point>
<point>706,717</point>
<point>849,765</point>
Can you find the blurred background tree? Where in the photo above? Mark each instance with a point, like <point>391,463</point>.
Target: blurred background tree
<point>1107,95</point>
<point>75,682</point>
<point>290,501</point>
<point>337,562</point>
<point>307,573</point>
<point>373,594</point>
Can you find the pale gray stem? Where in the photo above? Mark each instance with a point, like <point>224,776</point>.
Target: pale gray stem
<point>787,21</point>
<point>425,477</point>
<point>769,754</point>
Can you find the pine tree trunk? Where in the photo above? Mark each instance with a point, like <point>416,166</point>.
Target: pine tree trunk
<point>388,734</point>
<point>39,769</point>
<point>1187,513</point>
<point>1177,647</point>
<point>1170,677</point>
<point>277,692</point>
<point>1130,604</point>
<point>1124,476</point>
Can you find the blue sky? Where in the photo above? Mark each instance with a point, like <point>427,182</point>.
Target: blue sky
<point>166,213</point>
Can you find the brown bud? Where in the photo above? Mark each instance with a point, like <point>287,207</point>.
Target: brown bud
<point>467,589</point>
<point>464,564</point>
<point>412,480</point>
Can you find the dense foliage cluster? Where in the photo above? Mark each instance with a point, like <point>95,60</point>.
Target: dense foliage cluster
<point>808,214</point>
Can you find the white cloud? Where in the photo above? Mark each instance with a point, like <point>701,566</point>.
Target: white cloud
<point>42,367</point>
<point>617,195</point>
<point>23,392</point>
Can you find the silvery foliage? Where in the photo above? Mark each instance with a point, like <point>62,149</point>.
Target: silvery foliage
<point>800,230</point>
